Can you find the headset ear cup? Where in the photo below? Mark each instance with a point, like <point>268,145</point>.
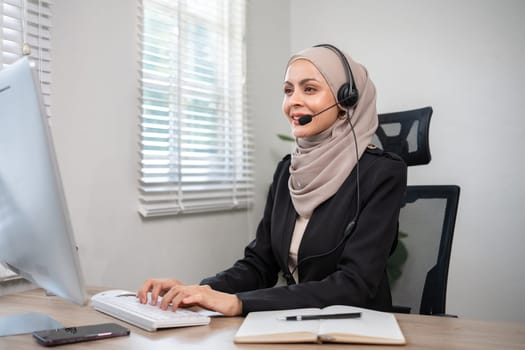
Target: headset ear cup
<point>347,96</point>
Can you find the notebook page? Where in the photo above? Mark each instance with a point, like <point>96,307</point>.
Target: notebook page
<point>371,324</point>
<point>267,323</point>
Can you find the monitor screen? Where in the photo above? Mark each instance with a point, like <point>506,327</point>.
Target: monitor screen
<point>36,236</point>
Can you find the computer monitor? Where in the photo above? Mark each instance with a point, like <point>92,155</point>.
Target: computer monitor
<point>36,236</point>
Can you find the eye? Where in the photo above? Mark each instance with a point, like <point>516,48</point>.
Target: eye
<point>287,90</point>
<point>310,89</point>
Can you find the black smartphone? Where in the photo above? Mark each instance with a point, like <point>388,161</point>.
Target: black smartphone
<point>59,336</point>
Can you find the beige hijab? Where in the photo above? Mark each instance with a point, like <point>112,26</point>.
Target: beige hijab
<point>321,163</point>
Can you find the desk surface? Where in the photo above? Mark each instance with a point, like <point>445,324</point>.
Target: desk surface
<point>421,332</point>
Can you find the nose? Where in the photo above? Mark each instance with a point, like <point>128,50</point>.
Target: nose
<point>294,99</point>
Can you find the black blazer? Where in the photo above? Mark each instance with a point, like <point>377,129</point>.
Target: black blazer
<point>354,274</point>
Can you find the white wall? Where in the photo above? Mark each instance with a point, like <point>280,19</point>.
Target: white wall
<point>268,52</point>
<point>465,59</point>
<point>95,125</point>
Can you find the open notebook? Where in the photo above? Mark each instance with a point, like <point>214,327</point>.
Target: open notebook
<point>373,327</point>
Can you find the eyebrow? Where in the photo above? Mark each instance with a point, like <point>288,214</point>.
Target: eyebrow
<point>303,81</point>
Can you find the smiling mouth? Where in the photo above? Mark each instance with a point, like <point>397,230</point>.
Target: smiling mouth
<point>296,120</point>
<point>297,116</point>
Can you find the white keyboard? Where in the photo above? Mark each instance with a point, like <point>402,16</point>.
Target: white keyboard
<point>125,306</point>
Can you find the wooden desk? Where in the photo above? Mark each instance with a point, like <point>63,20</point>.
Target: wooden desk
<point>421,332</point>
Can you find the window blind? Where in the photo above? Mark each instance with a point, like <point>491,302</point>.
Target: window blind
<point>26,29</point>
<point>196,141</point>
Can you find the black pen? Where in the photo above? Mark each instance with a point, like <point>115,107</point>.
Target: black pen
<point>321,317</point>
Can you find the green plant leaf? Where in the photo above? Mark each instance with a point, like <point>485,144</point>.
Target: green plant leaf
<point>286,137</point>
<point>396,261</point>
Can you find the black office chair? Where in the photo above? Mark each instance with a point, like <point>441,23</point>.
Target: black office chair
<point>418,268</point>
<point>406,134</point>
<point>426,222</point>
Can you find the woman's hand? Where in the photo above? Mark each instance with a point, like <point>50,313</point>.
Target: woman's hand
<point>176,294</point>
<point>157,287</point>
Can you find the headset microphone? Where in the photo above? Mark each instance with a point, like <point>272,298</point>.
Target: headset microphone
<point>307,118</point>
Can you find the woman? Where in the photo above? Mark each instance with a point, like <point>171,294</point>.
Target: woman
<point>330,220</point>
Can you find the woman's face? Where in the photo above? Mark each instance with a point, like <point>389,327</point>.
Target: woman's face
<point>307,92</point>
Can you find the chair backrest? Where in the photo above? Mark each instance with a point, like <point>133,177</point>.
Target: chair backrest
<point>421,260</point>
<point>406,134</point>
<point>418,268</point>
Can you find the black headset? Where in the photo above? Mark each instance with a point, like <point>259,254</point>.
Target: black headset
<point>347,96</point>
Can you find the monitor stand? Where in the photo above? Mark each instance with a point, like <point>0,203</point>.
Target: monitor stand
<point>26,323</point>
